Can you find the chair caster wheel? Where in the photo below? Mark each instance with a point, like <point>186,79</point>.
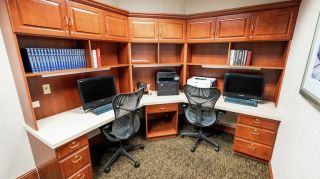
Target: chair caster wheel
<point>106,170</point>
<point>142,147</point>
<point>192,149</point>
<point>182,136</point>
<point>136,164</point>
<point>216,149</point>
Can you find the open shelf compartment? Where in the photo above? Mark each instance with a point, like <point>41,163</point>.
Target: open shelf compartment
<point>161,125</point>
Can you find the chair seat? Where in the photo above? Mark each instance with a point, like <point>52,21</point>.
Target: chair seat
<point>117,133</point>
<point>208,117</point>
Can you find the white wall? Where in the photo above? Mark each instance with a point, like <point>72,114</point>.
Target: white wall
<point>297,150</point>
<point>15,153</point>
<point>196,6</point>
<point>110,2</point>
<point>153,6</point>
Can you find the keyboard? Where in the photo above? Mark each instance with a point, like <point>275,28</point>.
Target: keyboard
<point>247,102</point>
<point>102,109</point>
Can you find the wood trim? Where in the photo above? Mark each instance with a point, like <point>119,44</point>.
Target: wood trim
<point>270,170</point>
<point>247,9</point>
<point>158,15</point>
<point>32,174</point>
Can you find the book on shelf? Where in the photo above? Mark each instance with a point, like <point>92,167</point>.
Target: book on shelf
<point>51,59</point>
<point>240,57</point>
<point>94,59</point>
<point>98,57</point>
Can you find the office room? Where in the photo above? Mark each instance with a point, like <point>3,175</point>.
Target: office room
<point>159,89</point>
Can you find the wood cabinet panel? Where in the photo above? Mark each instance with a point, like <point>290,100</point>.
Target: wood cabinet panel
<point>258,122</point>
<point>143,29</point>
<point>85,21</point>
<point>162,108</point>
<point>43,17</point>
<point>71,147</point>
<point>233,27</point>
<point>261,136</point>
<point>201,30</point>
<point>274,24</point>
<point>253,149</point>
<point>84,173</point>
<point>116,27</point>
<point>171,30</point>
<point>75,162</point>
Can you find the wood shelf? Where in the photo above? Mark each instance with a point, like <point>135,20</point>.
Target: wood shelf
<point>157,65</point>
<point>65,72</point>
<point>161,129</point>
<point>240,67</point>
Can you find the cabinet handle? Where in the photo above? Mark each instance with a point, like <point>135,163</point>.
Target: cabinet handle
<point>251,30</point>
<point>162,108</point>
<point>256,121</point>
<point>77,160</point>
<point>74,145</point>
<point>70,21</point>
<point>66,22</point>
<point>107,28</point>
<point>81,176</point>
<point>251,147</point>
<point>255,132</point>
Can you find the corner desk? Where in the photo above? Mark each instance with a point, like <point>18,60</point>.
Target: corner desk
<point>65,133</point>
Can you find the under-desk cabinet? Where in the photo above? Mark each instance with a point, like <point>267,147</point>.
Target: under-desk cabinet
<point>71,160</point>
<point>255,136</point>
<point>161,120</point>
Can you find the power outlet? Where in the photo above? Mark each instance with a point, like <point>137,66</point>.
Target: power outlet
<point>35,104</point>
<point>46,89</point>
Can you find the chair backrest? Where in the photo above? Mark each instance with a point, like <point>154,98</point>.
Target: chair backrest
<point>201,101</point>
<point>124,107</point>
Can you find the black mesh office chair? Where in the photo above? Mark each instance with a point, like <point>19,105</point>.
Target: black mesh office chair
<point>201,113</point>
<point>125,125</point>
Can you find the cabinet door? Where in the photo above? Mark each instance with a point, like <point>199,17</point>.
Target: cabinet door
<point>143,29</point>
<point>201,30</point>
<point>40,17</point>
<point>233,27</point>
<point>85,21</point>
<point>171,30</point>
<point>116,27</point>
<point>274,24</point>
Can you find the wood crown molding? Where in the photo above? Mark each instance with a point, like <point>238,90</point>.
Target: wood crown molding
<point>260,7</point>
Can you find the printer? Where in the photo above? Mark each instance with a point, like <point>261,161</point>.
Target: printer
<point>202,82</point>
<point>167,83</point>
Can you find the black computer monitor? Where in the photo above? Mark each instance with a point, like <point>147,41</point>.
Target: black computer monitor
<point>97,91</point>
<point>243,86</point>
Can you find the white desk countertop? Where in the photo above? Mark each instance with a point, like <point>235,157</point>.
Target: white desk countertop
<point>61,128</point>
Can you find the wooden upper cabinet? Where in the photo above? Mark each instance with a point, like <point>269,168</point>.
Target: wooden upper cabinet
<point>274,24</point>
<point>172,30</point>
<point>143,29</point>
<point>85,21</point>
<point>201,30</point>
<point>116,27</point>
<point>43,17</point>
<point>233,27</point>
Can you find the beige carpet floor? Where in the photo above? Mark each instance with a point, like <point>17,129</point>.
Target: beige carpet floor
<point>171,158</point>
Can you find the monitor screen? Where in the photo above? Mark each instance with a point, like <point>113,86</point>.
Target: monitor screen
<point>96,91</point>
<point>243,86</point>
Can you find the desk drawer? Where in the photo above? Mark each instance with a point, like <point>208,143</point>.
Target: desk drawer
<point>84,173</point>
<point>258,122</point>
<point>74,162</point>
<point>71,147</point>
<point>253,149</point>
<point>162,108</point>
<point>261,136</point>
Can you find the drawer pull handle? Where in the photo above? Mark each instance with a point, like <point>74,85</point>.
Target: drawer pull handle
<point>74,145</point>
<point>162,108</point>
<point>81,176</point>
<point>256,121</point>
<point>77,160</point>
<point>255,132</point>
<point>251,147</point>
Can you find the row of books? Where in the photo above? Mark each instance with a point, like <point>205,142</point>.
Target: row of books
<point>51,59</point>
<point>240,57</point>
<point>96,58</point>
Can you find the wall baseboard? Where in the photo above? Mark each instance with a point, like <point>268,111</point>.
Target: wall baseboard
<point>270,170</point>
<point>32,174</point>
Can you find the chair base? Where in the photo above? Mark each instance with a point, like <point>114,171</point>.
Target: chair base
<point>122,151</point>
<point>200,135</point>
